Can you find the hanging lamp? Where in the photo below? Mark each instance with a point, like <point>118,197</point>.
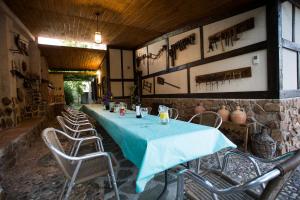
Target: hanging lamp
<point>98,36</point>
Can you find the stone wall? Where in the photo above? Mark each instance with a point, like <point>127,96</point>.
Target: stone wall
<point>281,116</point>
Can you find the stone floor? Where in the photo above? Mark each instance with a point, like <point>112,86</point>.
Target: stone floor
<point>36,176</point>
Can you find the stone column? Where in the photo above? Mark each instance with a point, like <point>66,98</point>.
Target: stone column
<point>5,65</point>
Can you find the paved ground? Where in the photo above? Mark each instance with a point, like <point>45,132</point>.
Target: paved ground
<point>36,176</point>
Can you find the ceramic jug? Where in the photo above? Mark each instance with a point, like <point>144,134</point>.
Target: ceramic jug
<point>199,108</point>
<point>224,113</point>
<point>238,116</point>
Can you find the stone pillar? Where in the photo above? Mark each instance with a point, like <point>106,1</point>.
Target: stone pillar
<point>34,58</point>
<point>5,65</point>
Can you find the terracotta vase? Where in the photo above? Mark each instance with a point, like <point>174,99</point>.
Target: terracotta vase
<point>199,108</point>
<point>224,113</point>
<point>238,116</point>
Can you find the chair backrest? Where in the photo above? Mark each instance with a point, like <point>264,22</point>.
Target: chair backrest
<point>66,125</point>
<point>49,136</point>
<point>68,116</point>
<point>173,113</point>
<point>208,118</point>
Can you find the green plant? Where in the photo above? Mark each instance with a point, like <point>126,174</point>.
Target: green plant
<point>68,94</point>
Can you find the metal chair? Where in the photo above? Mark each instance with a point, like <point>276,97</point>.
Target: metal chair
<point>78,131</point>
<point>75,113</point>
<point>208,118</point>
<point>78,169</point>
<point>216,185</point>
<point>74,119</point>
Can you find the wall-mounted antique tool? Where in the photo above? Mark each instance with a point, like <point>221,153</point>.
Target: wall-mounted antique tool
<point>22,45</point>
<point>162,81</point>
<point>214,78</point>
<point>147,86</point>
<point>159,53</point>
<point>229,35</point>
<point>181,45</point>
<point>152,56</point>
<point>140,58</point>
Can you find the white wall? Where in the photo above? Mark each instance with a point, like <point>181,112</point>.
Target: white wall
<point>257,82</point>
<point>145,91</point>
<point>255,35</point>
<point>297,25</point>
<point>127,64</point>
<point>192,51</point>
<point>289,70</point>
<point>127,86</point>
<point>286,20</point>
<point>116,88</point>
<point>115,63</point>
<point>178,78</point>
<point>143,64</point>
<point>159,64</point>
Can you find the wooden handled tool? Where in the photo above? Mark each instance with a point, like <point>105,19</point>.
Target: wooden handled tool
<point>161,81</point>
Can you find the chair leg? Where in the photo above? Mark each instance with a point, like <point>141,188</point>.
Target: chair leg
<point>218,159</point>
<point>198,165</point>
<point>180,187</point>
<point>114,183</point>
<point>109,181</point>
<point>71,184</point>
<point>63,190</point>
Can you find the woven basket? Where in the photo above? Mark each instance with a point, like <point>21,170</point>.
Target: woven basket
<point>263,145</point>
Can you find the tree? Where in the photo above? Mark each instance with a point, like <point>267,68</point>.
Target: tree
<point>72,87</point>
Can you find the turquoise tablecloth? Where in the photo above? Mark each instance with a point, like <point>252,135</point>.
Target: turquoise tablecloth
<point>154,147</point>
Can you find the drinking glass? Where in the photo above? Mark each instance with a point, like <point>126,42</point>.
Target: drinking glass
<point>144,112</point>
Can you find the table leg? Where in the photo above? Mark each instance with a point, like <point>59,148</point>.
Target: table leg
<point>165,186</point>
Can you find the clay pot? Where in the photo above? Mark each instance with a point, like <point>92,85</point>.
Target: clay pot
<point>238,116</point>
<point>6,101</point>
<point>224,113</point>
<point>199,108</point>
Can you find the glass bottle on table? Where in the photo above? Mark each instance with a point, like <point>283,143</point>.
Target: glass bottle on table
<point>138,109</point>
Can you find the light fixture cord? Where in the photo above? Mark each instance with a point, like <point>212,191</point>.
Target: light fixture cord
<point>97,21</point>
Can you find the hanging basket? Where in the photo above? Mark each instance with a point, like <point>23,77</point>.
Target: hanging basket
<point>263,145</point>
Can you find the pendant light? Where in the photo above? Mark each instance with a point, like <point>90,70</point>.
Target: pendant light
<point>98,36</point>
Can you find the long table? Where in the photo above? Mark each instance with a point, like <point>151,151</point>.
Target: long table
<point>153,147</point>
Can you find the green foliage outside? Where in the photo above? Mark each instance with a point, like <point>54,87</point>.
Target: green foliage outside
<point>68,94</point>
<point>73,89</point>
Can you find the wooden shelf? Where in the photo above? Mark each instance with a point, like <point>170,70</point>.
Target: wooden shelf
<point>237,132</point>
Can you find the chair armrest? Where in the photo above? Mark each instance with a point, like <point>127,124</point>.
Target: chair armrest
<point>85,130</point>
<point>85,124</point>
<point>233,189</point>
<point>82,140</point>
<point>274,160</point>
<point>78,139</point>
<point>81,158</point>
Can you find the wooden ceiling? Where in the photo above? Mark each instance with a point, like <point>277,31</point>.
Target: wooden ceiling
<point>126,23</point>
<point>70,58</point>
